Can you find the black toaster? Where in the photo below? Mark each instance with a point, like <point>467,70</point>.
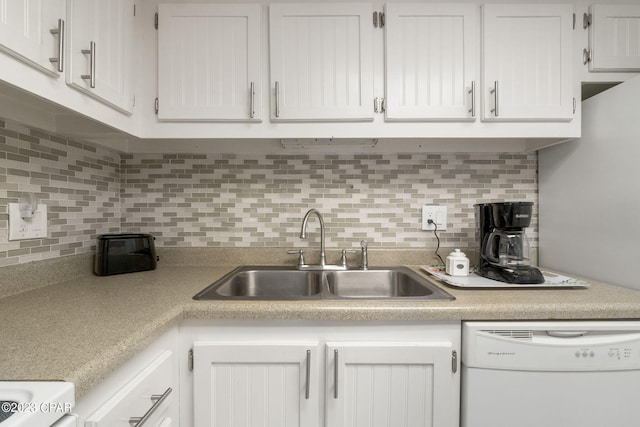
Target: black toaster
<point>124,253</point>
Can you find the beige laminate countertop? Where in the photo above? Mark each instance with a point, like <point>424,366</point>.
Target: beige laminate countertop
<point>81,330</point>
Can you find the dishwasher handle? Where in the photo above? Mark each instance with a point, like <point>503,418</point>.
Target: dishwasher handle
<point>567,334</point>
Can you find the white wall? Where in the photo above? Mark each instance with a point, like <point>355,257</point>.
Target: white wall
<point>589,192</point>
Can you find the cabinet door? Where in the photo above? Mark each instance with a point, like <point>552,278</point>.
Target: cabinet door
<point>391,385</point>
<point>614,38</point>
<point>321,61</point>
<point>431,57</point>
<point>101,50</point>
<point>210,62</point>
<point>33,31</point>
<point>527,62</point>
<point>256,384</point>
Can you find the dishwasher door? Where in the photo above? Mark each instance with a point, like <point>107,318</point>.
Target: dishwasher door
<point>551,374</point>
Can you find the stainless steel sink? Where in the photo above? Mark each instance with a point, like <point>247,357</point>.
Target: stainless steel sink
<point>265,283</point>
<point>288,283</point>
<point>383,283</point>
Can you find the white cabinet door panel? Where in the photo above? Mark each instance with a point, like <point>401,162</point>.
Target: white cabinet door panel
<point>321,61</point>
<point>614,37</point>
<point>25,31</point>
<point>527,62</point>
<point>210,58</point>
<point>253,384</point>
<point>107,26</point>
<point>431,57</point>
<point>391,385</point>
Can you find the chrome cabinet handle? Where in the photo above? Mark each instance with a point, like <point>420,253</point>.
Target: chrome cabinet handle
<point>92,65</point>
<point>277,99</point>
<point>308,385</point>
<point>472,91</point>
<point>157,401</point>
<point>335,374</point>
<point>252,101</point>
<point>494,91</point>
<point>60,33</point>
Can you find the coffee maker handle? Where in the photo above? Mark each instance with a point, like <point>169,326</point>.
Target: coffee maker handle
<point>488,246</point>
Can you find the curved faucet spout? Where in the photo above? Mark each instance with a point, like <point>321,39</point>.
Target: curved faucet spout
<point>303,232</point>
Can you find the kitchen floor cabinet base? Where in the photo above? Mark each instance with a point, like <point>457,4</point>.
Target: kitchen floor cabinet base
<point>316,374</point>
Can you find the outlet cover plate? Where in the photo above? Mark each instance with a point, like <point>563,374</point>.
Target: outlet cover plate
<point>30,228</point>
<point>436,213</point>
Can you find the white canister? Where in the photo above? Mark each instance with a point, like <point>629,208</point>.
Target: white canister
<point>457,264</point>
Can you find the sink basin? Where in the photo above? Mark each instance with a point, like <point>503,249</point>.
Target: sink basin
<point>383,283</point>
<point>265,283</point>
<point>288,283</point>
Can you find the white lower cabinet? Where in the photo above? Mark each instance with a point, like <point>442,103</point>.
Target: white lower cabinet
<point>144,391</point>
<point>255,384</point>
<point>324,374</point>
<point>390,384</point>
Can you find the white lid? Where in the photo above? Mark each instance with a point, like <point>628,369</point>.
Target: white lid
<point>457,254</point>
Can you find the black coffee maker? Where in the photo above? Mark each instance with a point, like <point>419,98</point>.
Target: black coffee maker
<point>504,247</point>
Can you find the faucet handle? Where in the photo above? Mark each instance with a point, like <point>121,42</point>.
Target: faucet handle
<point>300,254</point>
<point>343,258</point>
<point>364,261</point>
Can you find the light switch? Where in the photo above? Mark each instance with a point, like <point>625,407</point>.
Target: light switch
<point>27,228</point>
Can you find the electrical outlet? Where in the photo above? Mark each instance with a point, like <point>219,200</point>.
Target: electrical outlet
<point>438,214</point>
<point>27,228</point>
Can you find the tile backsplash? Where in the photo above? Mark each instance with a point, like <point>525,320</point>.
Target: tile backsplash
<point>79,182</point>
<point>223,200</point>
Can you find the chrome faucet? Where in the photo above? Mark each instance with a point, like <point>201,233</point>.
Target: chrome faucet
<point>303,233</point>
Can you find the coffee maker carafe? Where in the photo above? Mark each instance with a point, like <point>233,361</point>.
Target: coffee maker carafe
<point>503,244</point>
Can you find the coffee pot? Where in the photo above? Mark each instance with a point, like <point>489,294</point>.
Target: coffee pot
<point>507,248</point>
<point>503,244</point>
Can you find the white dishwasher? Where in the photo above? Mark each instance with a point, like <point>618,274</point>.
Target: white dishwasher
<point>551,374</point>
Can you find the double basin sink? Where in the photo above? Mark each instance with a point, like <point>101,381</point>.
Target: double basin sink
<point>289,283</point>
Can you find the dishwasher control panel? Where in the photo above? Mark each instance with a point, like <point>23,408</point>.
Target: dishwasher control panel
<point>552,346</point>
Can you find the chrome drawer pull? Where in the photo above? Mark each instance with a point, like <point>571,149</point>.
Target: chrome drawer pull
<point>157,400</point>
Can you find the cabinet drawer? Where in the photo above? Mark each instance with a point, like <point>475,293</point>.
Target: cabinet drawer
<point>151,388</point>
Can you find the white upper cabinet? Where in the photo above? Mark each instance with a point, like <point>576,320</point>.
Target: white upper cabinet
<point>210,62</point>
<point>431,61</point>
<point>101,50</point>
<point>527,62</point>
<point>33,31</point>
<point>321,60</point>
<point>614,38</point>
